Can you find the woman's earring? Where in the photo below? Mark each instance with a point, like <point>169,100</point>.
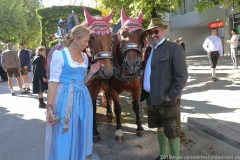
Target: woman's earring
<point>75,45</point>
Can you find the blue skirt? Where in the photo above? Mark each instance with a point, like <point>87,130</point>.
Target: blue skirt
<point>76,143</point>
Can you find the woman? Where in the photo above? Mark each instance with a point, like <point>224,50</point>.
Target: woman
<point>39,79</point>
<point>69,105</point>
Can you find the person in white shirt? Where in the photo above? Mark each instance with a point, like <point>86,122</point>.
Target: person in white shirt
<point>213,46</point>
<point>234,47</point>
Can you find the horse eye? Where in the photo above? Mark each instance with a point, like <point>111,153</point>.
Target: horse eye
<point>92,38</point>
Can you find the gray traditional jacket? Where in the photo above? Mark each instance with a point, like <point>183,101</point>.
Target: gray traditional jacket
<point>168,72</point>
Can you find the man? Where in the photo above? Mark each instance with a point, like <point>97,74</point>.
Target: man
<point>181,43</point>
<point>3,74</point>
<point>213,46</point>
<point>11,64</point>
<point>165,75</point>
<point>234,47</point>
<point>24,57</point>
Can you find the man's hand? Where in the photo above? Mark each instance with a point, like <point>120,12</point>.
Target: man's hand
<point>25,67</point>
<point>167,99</point>
<point>44,79</point>
<point>209,52</point>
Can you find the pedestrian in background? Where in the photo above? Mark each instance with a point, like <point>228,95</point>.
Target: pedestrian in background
<point>39,78</point>
<point>24,57</point>
<point>213,46</point>
<point>181,43</point>
<point>11,65</point>
<point>169,40</point>
<point>165,76</point>
<point>3,74</point>
<point>234,47</point>
<point>69,101</point>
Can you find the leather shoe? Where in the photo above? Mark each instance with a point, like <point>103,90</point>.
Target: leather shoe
<point>214,79</point>
<point>13,94</point>
<point>27,89</point>
<point>42,105</point>
<point>25,92</point>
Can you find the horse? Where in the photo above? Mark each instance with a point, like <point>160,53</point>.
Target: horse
<point>99,48</point>
<point>127,54</point>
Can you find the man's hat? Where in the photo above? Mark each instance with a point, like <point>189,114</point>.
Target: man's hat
<point>155,22</point>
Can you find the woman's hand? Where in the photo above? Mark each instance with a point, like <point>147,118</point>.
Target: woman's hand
<point>95,67</point>
<point>50,117</point>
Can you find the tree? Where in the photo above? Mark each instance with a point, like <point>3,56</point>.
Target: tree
<point>12,20</point>
<point>202,5</point>
<point>49,17</point>
<point>31,35</point>
<point>151,9</point>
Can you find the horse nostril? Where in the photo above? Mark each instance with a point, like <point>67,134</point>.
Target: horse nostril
<point>102,72</point>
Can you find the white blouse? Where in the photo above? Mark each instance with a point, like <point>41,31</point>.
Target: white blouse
<point>57,63</point>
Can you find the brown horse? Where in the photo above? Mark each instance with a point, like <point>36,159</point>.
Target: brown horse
<point>99,49</point>
<point>127,52</point>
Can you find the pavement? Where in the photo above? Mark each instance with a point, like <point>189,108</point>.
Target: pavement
<point>209,116</point>
<point>213,107</point>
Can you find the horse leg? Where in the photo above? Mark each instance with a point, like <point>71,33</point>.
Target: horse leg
<point>96,134</point>
<point>109,104</point>
<point>110,113</point>
<point>94,89</point>
<point>138,116</point>
<point>117,110</point>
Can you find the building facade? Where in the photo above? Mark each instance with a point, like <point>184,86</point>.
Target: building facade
<point>193,27</point>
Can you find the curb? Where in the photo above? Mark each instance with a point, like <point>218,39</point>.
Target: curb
<point>213,132</point>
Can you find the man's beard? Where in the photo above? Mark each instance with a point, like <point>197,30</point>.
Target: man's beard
<point>155,41</point>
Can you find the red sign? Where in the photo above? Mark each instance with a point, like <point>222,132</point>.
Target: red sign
<point>216,24</point>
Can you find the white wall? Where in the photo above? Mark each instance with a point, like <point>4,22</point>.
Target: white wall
<point>192,38</point>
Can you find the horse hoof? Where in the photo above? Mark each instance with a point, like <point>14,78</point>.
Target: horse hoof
<point>111,115</point>
<point>118,138</point>
<point>96,138</point>
<point>140,133</point>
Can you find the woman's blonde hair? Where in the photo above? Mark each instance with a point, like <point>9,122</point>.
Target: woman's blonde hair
<point>78,32</point>
<point>40,48</point>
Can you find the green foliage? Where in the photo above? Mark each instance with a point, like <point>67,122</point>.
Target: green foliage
<point>53,43</point>
<point>19,22</point>
<point>31,36</point>
<point>12,20</point>
<point>204,5</point>
<point>132,8</point>
<point>50,16</point>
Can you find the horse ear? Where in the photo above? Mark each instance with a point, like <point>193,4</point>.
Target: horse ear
<point>108,17</point>
<point>140,16</point>
<point>88,17</point>
<point>123,16</point>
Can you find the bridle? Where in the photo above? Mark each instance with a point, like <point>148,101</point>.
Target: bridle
<point>100,55</point>
<point>130,46</point>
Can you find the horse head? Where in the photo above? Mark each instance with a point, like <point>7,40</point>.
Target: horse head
<point>100,42</point>
<point>130,42</point>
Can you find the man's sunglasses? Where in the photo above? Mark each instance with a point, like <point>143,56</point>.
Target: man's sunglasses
<point>155,32</point>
